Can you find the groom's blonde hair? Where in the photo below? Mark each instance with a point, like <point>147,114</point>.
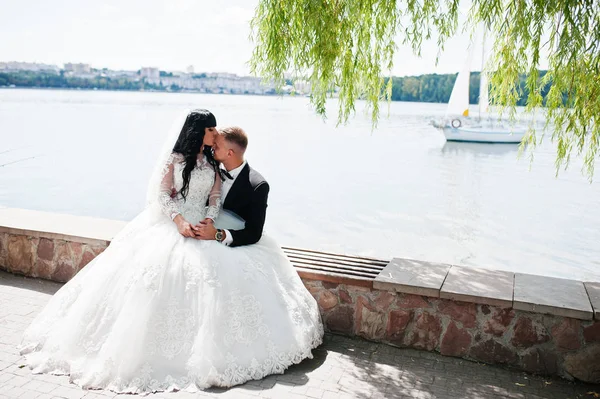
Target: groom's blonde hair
<point>235,135</point>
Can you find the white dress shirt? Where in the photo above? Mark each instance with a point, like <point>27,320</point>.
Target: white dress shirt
<point>225,187</point>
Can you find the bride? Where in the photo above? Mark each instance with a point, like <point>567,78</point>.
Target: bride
<point>162,311</point>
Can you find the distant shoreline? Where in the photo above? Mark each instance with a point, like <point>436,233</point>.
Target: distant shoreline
<point>185,92</point>
<point>145,91</point>
<point>427,88</point>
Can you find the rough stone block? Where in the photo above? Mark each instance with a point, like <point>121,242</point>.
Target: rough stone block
<point>456,341</point>
<point>426,331</point>
<point>65,264</point>
<point>345,296</point>
<point>528,333</point>
<point>371,325</point>
<point>565,334</point>
<point>86,258</point>
<point>20,254</point>
<point>327,300</point>
<point>384,299</point>
<point>592,333</point>
<point>540,362</point>
<point>584,364</point>
<point>340,319</point>
<point>499,321</point>
<point>3,250</point>
<point>408,301</point>
<point>491,352</point>
<point>397,323</point>
<point>465,313</point>
<point>44,269</point>
<point>45,249</point>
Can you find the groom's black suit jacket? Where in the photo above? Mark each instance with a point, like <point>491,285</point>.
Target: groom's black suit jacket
<point>247,198</point>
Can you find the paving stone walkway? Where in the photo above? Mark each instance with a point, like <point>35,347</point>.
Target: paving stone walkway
<point>342,368</point>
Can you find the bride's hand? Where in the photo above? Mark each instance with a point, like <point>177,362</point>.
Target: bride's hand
<point>184,227</point>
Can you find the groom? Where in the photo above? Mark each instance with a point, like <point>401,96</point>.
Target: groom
<point>244,191</point>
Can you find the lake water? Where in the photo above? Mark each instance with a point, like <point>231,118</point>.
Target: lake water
<point>398,191</point>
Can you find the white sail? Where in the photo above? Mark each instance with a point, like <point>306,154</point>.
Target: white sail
<point>459,99</point>
<point>484,98</point>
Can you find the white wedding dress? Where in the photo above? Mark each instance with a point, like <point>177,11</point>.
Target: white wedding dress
<point>160,312</point>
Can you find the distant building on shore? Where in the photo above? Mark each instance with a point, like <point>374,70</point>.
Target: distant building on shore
<point>131,75</point>
<point>153,79</point>
<point>227,83</point>
<point>14,66</point>
<point>78,69</point>
<point>150,73</point>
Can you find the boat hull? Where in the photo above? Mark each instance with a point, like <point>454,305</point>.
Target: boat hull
<point>482,135</point>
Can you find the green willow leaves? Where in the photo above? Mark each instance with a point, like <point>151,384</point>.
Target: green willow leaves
<point>349,46</point>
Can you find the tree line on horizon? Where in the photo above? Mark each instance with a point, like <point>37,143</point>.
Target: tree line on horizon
<point>429,88</point>
<point>61,81</point>
<point>436,88</point>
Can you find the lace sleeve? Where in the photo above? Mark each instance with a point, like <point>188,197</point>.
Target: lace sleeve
<point>214,198</point>
<point>167,204</point>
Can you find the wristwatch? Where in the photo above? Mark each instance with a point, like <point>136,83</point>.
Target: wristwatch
<point>220,235</point>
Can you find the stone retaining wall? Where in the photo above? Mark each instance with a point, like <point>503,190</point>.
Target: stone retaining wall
<point>47,258</point>
<point>551,344</point>
<point>51,246</point>
<point>537,343</point>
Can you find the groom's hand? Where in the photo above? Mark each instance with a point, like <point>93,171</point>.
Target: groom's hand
<point>205,230</point>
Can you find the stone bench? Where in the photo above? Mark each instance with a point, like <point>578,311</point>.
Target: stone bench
<point>336,268</point>
<point>534,323</point>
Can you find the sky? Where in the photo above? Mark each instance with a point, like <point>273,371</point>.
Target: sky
<point>212,36</point>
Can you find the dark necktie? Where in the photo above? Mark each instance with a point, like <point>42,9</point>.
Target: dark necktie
<point>226,174</point>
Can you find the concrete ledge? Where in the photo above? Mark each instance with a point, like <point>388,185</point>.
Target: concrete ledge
<point>81,229</point>
<point>549,295</point>
<point>412,277</point>
<point>593,291</point>
<point>489,287</point>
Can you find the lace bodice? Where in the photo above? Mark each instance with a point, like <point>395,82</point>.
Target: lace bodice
<point>204,186</point>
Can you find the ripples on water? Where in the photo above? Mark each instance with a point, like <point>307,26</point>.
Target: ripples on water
<point>399,191</point>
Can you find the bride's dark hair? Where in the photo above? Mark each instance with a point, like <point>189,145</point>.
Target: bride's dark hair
<point>190,142</point>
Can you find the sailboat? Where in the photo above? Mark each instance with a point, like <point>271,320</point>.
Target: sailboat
<point>459,126</point>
